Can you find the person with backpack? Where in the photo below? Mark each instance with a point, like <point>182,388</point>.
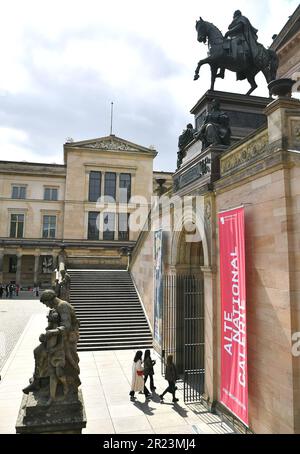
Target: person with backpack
<point>148,371</point>
<point>171,377</point>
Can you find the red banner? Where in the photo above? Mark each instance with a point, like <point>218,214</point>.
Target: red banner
<point>234,375</point>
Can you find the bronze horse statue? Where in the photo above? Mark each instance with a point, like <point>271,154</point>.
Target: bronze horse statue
<point>222,57</point>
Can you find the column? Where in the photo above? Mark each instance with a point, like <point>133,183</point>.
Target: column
<point>61,260</point>
<point>19,269</point>
<point>211,352</point>
<point>36,268</point>
<point>55,274</point>
<point>1,265</point>
<point>117,188</point>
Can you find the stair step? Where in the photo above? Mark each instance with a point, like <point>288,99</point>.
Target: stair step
<point>114,335</point>
<point>111,324</point>
<point>109,310</point>
<point>120,341</point>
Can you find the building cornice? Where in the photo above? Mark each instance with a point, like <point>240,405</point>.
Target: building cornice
<point>81,244</point>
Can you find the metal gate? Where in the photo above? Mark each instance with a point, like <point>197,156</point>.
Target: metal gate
<point>183,331</point>
<point>193,334</point>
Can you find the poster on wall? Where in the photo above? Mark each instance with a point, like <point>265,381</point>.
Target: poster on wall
<point>158,285</point>
<point>234,374</point>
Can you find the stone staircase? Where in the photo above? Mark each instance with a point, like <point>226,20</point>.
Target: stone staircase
<point>110,313</point>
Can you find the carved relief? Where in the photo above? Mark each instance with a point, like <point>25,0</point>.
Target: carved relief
<point>295,132</point>
<point>109,145</point>
<point>244,154</point>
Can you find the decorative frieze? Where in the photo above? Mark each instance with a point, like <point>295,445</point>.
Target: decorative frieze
<point>110,144</point>
<point>245,153</point>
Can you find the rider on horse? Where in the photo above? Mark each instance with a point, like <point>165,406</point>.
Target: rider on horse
<point>243,39</point>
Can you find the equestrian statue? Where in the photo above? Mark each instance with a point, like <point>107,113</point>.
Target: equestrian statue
<point>237,51</point>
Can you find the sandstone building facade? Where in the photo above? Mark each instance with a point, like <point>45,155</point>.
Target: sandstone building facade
<point>77,212</point>
<point>261,172</point>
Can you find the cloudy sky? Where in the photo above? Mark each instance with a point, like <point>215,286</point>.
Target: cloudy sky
<point>63,62</point>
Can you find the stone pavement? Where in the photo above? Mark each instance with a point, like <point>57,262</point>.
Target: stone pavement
<point>14,316</point>
<point>106,378</point>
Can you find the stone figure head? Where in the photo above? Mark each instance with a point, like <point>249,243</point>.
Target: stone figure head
<point>237,14</point>
<point>48,298</point>
<point>215,105</point>
<point>189,126</point>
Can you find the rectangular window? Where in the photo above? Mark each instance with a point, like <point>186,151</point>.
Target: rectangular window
<point>93,231</point>
<point>124,226</point>
<point>49,226</point>
<point>125,187</point>
<point>109,226</point>
<point>110,185</point>
<point>50,194</point>
<point>17,225</point>
<point>18,192</point>
<point>94,186</point>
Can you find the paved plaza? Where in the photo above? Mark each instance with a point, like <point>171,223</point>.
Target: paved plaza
<point>106,378</point>
<point>14,316</point>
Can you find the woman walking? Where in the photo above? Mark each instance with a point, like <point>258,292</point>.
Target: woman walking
<point>171,376</point>
<point>148,371</point>
<point>137,382</point>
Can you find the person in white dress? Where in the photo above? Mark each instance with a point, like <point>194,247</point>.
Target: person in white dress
<point>137,382</point>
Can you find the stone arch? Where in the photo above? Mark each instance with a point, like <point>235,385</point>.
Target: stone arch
<point>177,238</point>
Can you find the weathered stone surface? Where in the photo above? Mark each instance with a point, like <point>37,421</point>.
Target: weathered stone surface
<point>62,416</point>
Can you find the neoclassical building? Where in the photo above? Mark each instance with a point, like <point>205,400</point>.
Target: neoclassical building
<point>78,211</point>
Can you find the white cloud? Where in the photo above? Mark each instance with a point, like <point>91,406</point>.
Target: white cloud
<point>63,61</point>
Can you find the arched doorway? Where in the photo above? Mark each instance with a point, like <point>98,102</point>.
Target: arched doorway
<point>184,314</point>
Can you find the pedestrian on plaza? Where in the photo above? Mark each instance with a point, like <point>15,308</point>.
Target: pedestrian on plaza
<point>7,290</point>
<point>17,288</point>
<point>137,382</point>
<point>148,371</point>
<point>36,290</point>
<point>171,376</point>
<point>1,290</point>
<point>11,290</point>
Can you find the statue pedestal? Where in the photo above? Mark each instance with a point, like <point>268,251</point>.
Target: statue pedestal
<point>65,416</point>
<point>201,167</point>
<point>246,113</point>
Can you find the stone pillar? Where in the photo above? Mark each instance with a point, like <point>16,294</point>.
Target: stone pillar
<point>36,268</point>
<point>117,188</point>
<point>19,269</point>
<point>211,352</point>
<point>1,265</point>
<point>61,260</point>
<point>283,124</point>
<point>55,273</point>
